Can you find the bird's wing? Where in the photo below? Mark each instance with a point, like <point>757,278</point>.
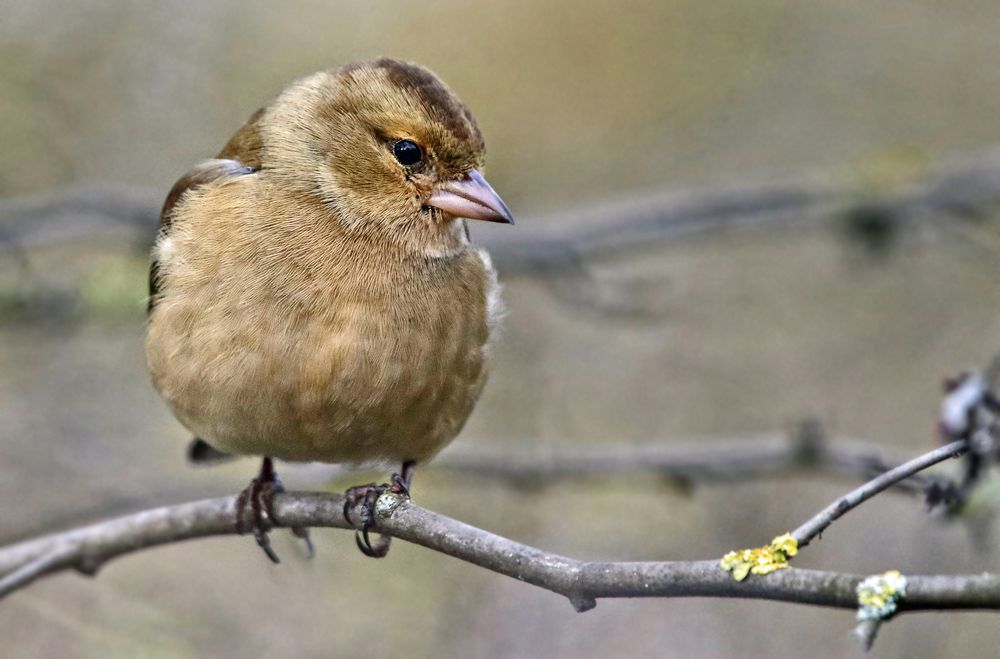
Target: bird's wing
<point>241,156</point>
<point>211,170</point>
<point>205,172</point>
<point>245,145</point>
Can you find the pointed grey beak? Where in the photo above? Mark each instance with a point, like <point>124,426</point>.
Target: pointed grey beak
<point>471,197</point>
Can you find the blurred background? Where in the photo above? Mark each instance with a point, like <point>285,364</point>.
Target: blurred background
<point>726,333</point>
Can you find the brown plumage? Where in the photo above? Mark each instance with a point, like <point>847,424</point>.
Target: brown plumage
<point>313,294</point>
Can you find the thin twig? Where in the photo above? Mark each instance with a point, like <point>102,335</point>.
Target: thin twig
<point>57,559</point>
<point>818,523</point>
<point>866,631</point>
<point>583,582</point>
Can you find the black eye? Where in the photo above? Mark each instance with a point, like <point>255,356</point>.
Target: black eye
<point>408,153</point>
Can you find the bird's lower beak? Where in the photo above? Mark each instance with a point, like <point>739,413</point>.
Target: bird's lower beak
<point>471,197</point>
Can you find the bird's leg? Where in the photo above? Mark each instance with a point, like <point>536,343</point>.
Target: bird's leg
<point>367,495</point>
<point>401,481</point>
<point>259,498</point>
<point>253,498</point>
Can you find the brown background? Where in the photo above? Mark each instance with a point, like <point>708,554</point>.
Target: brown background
<point>579,103</point>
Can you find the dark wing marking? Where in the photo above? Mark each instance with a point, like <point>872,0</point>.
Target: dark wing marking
<point>241,155</point>
<point>246,145</point>
<point>206,172</point>
<point>154,283</point>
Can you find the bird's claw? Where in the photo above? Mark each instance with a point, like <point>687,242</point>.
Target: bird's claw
<point>367,496</point>
<point>259,498</point>
<point>377,550</point>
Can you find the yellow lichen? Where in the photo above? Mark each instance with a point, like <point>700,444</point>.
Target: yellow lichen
<point>879,594</point>
<point>762,560</point>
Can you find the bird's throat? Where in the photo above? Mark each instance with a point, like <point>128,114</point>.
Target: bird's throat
<point>445,239</point>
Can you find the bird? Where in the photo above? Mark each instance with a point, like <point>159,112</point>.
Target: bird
<point>314,294</point>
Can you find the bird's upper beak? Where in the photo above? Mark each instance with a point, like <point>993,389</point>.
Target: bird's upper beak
<point>471,197</point>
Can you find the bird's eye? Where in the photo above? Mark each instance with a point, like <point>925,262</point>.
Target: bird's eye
<point>407,152</point>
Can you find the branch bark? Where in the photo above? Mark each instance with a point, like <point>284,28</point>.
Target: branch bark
<point>819,523</point>
<point>582,582</point>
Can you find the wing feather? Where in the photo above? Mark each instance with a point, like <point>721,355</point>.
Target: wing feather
<point>241,156</point>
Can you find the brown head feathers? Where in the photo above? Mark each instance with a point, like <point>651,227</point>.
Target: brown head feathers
<point>331,135</point>
<point>437,100</point>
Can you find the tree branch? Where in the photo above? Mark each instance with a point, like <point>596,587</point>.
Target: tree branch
<point>711,460</point>
<point>58,558</point>
<point>817,524</point>
<point>583,582</point>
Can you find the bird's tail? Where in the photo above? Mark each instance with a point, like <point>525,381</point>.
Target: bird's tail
<point>200,452</point>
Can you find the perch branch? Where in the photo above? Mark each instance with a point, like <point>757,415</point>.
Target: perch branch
<point>711,460</point>
<point>583,582</point>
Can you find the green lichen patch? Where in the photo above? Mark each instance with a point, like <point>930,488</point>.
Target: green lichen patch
<point>879,595</point>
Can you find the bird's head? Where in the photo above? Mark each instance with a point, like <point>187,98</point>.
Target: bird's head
<point>388,147</point>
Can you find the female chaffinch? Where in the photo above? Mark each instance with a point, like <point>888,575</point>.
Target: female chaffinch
<point>313,292</point>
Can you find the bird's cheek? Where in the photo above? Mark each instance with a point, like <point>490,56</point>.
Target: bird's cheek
<point>422,194</point>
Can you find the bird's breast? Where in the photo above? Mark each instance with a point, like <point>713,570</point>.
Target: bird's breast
<point>386,366</point>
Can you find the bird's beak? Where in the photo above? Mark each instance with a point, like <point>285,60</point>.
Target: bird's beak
<point>471,197</point>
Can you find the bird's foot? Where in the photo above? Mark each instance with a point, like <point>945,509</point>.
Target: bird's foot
<point>257,500</point>
<point>367,496</point>
<point>258,497</point>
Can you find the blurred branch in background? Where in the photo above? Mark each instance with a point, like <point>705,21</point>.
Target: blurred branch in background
<point>965,186</point>
<point>709,460</point>
<point>558,247</point>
